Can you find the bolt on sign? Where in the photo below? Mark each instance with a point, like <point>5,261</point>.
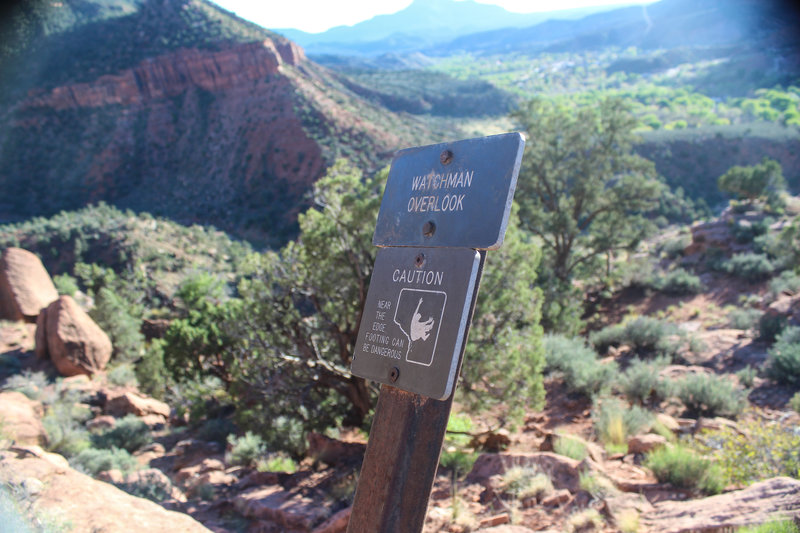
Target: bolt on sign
<point>441,204</point>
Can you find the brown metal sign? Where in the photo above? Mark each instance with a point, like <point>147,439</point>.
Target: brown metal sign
<point>453,195</point>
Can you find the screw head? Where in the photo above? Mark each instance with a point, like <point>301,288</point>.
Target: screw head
<point>446,157</point>
<point>429,228</point>
<point>394,373</point>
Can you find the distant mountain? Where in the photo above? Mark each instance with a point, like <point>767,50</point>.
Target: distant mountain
<point>421,25</point>
<point>665,24</point>
<point>175,107</point>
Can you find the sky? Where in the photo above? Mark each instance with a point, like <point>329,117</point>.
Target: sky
<point>315,16</point>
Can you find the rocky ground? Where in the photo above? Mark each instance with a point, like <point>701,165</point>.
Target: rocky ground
<point>200,488</point>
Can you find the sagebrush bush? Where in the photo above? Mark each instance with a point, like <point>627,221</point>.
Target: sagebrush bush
<point>745,318</point>
<point>578,364</point>
<point>750,267</point>
<point>758,449</point>
<point>682,467</point>
<point>787,283</point>
<point>784,357</point>
<point>641,382</point>
<point>63,425</point>
<point>245,450</point>
<point>122,374</point>
<point>747,376</point>
<point>678,282</point>
<point>31,384</point>
<point>526,482</point>
<point>151,372</point>
<point>770,325</point>
<point>92,461</point>
<point>129,434</point>
<point>709,395</point>
<point>570,446</point>
<point>584,521</point>
<point>645,335</point>
<point>596,484</point>
<point>614,422</point>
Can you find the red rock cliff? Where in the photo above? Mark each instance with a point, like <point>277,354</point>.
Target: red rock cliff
<point>172,74</point>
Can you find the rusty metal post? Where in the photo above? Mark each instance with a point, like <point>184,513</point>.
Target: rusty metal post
<point>402,456</point>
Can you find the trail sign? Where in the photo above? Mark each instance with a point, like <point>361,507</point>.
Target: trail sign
<point>451,195</point>
<point>415,317</point>
<point>443,206</point>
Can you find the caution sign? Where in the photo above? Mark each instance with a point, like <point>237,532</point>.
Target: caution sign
<point>415,318</point>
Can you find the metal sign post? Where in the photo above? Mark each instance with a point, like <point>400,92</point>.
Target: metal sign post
<point>443,206</point>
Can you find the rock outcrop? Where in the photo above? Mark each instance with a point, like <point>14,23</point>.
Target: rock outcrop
<point>172,74</point>
<point>776,498</point>
<point>25,285</point>
<point>85,503</point>
<point>121,403</point>
<point>75,343</point>
<point>20,418</point>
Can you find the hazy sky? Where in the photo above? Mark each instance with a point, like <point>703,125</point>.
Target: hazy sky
<point>319,15</point>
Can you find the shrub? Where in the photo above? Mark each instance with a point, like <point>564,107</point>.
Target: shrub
<point>747,376</point>
<point>682,467</point>
<point>129,434</point>
<point>678,282</point>
<point>582,372</point>
<point>63,424</point>
<point>216,430</point>
<point>28,383</point>
<point>777,526</point>
<point>93,461</point>
<point>794,403</point>
<point>570,446</point>
<point>151,487</point>
<point>597,485</point>
<point>750,267</point>
<point>787,283</point>
<point>675,246</point>
<point>746,318</point>
<point>121,320</point>
<point>645,335</point>
<point>641,382</point>
<point>122,374</point>
<point>458,461</point>
<point>758,450</point>
<point>151,373</point>
<point>245,450</point>
<point>526,482</point>
<point>770,325</point>
<point>278,463</point>
<point>585,521</point>
<point>784,357</point>
<point>708,395</point>
<point>65,284</point>
<point>614,422</point>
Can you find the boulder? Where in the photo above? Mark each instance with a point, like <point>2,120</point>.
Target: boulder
<point>25,285</point>
<point>21,418</point>
<point>776,498</point>
<point>286,509</point>
<point>645,443</point>
<point>87,504</point>
<point>562,471</point>
<point>336,523</point>
<point>334,452</point>
<point>75,343</point>
<point>121,403</point>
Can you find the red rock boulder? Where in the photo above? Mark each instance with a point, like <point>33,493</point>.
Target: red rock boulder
<point>75,343</point>
<point>25,285</point>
